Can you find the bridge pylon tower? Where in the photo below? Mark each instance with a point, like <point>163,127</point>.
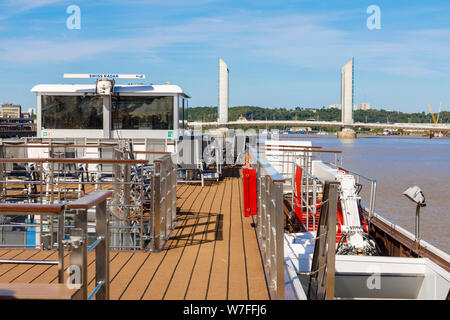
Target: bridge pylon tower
<point>347,99</point>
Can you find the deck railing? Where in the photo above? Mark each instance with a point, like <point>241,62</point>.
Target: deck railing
<point>283,156</point>
<point>24,209</point>
<point>305,194</point>
<point>77,243</point>
<point>164,200</point>
<point>50,180</point>
<point>368,198</point>
<point>270,223</point>
<point>288,160</point>
<point>69,183</point>
<point>321,278</point>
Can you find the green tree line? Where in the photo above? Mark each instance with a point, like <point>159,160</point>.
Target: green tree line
<point>209,114</point>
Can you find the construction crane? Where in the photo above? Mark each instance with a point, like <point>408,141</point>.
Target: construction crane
<point>431,111</point>
<point>434,119</point>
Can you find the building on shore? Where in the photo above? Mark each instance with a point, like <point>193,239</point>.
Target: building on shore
<point>335,106</point>
<point>11,110</point>
<point>364,106</point>
<point>14,111</point>
<point>14,123</point>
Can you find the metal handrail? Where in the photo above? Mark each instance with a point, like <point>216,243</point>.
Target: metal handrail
<point>373,187</point>
<point>41,262</point>
<point>295,154</point>
<point>40,209</point>
<point>79,249</point>
<point>62,146</point>
<point>50,182</point>
<point>322,276</point>
<point>72,160</point>
<point>269,223</point>
<point>304,194</point>
<point>96,289</point>
<point>164,200</point>
<point>353,172</point>
<point>256,158</point>
<point>78,239</point>
<point>302,150</point>
<point>96,243</point>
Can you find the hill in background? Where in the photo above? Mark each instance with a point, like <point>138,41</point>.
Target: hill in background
<point>209,114</point>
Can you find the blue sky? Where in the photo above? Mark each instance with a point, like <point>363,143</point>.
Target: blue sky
<point>282,53</point>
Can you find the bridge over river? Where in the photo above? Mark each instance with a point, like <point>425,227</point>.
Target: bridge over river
<point>295,123</point>
<point>346,124</point>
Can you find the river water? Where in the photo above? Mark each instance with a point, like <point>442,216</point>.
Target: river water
<point>398,163</point>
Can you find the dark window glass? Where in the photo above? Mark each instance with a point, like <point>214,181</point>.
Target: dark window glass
<point>72,112</point>
<point>181,113</point>
<point>142,112</point>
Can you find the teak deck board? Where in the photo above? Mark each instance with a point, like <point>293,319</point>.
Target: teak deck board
<point>211,254</point>
<point>36,291</point>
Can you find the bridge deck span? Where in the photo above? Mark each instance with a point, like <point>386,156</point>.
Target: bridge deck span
<point>295,123</point>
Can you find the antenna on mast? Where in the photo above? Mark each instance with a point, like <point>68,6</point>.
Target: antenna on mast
<point>105,81</point>
<point>103,76</point>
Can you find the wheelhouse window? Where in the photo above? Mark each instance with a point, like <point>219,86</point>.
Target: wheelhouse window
<point>72,112</point>
<point>182,103</point>
<point>139,112</point>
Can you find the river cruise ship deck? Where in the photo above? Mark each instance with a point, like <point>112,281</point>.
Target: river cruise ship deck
<point>117,198</point>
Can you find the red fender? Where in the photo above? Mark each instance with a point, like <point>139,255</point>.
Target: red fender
<point>339,217</point>
<point>252,191</point>
<point>245,178</point>
<point>298,192</point>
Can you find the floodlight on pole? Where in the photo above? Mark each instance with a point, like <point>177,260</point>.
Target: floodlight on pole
<point>416,195</point>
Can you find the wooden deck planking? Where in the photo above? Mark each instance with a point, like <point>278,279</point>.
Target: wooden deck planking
<point>186,264</point>
<point>137,286</point>
<point>4,252</point>
<point>142,279</point>
<point>14,271</point>
<point>211,254</point>
<point>218,275</point>
<point>198,283</point>
<point>120,281</point>
<point>237,271</point>
<point>35,270</point>
<point>175,249</point>
<point>22,255</point>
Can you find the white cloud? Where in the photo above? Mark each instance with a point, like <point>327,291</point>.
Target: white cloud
<point>32,51</point>
<point>305,41</point>
<point>25,5</point>
<point>36,51</point>
<point>164,3</point>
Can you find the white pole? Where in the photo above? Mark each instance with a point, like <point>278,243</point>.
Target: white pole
<point>223,91</point>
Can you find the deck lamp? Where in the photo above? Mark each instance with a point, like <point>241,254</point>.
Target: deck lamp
<point>416,195</point>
